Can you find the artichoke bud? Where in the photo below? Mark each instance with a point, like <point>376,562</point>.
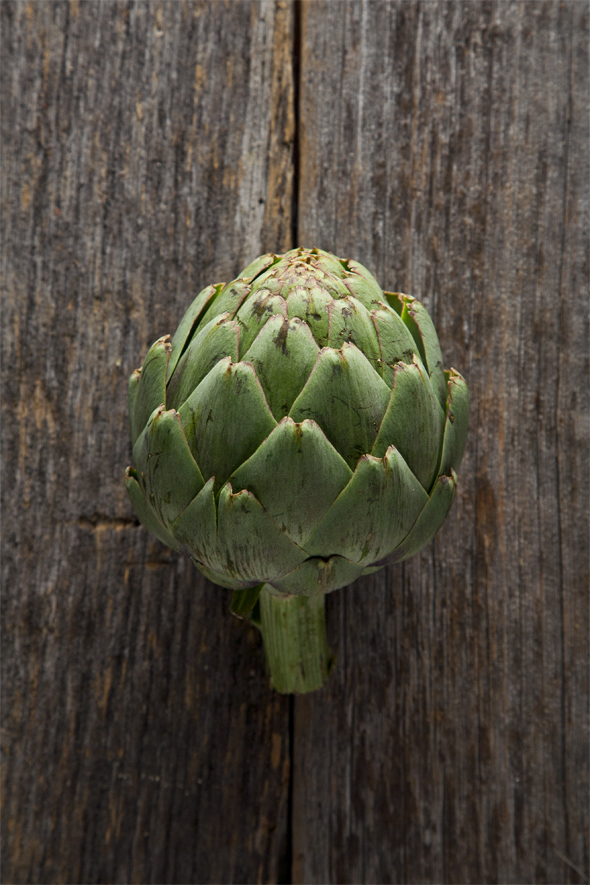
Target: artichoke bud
<point>297,432</point>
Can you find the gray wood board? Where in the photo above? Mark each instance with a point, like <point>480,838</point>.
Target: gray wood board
<point>151,149</point>
<point>445,146</point>
<point>148,152</point>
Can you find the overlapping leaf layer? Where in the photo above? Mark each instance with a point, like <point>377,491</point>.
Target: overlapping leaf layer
<point>299,429</point>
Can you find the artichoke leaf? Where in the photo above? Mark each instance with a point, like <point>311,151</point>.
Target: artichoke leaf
<point>371,569</point>
<point>395,340</point>
<point>347,398</point>
<point>189,323</point>
<point>311,306</point>
<point>256,313</point>
<point>283,356</point>
<point>361,284</point>
<point>396,301</point>
<point>225,419</point>
<point>307,275</point>
<point>131,397</point>
<point>145,513</point>
<point>250,546</point>
<point>429,521</point>
<point>228,300</point>
<point>196,528</point>
<point>317,576</point>
<point>225,581</point>
<point>413,422</point>
<point>170,476</point>
<point>244,599</point>
<point>272,277</point>
<point>212,343</point>
<point>326,262</point>
<point>369,295</point>
<point>296,474</point>
<point>151,387</point>
<point>258,266</point>
<point>374,512</point>
<point>456,424</point>
<point>358,271</point>
<point>351,321</point>
<point>418,321</point>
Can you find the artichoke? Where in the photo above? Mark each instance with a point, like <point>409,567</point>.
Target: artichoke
<point>297,432</point>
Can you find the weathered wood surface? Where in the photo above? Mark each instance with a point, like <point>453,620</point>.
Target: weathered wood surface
<point>150,149</point>
<point>447,145</point>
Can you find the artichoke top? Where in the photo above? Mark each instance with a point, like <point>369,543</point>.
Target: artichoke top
<point>299,430</point>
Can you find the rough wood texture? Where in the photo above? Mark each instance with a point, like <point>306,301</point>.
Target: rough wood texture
<point>152,148</point>
<point>445,145</point>
<point>148,151</point>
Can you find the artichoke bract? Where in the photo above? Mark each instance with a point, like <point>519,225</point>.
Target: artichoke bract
<point>298,431</point>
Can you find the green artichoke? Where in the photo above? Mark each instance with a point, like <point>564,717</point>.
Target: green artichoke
<point>297,432</point>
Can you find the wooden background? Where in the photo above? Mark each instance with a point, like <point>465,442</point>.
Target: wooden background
<point>151,149</point>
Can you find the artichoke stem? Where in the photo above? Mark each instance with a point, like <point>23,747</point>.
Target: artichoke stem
<point>295,641</point>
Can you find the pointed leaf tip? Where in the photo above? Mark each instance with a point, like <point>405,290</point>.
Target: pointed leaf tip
<point>170,474</point>
<point>347,398</point>
<point>296,474</point>
<point>145,513</point>
<point>456,424</point>
<point>413,422</point>
<point>226,418</point>
<point>250,546</point>
<point>372,514</point>
<point>429,521</point>
<point>151,386</point>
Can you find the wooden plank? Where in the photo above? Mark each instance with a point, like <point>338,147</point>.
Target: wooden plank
<point>147,152</point>
<point>444,145</point>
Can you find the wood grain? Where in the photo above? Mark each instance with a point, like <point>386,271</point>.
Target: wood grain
<point>444,145</point>
<point>153,148</point>
<point>148,152</point>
